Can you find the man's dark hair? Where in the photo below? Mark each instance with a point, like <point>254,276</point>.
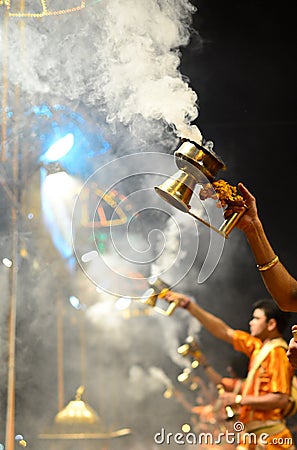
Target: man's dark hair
<point>272,311</point>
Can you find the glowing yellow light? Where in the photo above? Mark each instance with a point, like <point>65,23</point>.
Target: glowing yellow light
<point>5,3</point>
<point>186,428</point>
<point>23,252</point>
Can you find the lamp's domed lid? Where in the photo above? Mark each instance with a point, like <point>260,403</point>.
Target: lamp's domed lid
<point>77,412</point>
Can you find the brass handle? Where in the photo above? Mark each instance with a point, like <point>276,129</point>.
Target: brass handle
<point>230,223</point>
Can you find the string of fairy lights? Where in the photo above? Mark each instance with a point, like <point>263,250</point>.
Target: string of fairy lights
<point>45,11</point>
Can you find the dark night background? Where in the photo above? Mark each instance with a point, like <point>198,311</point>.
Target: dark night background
<point>243,66</point>
<point>245,76</point>
<point>245,73</point>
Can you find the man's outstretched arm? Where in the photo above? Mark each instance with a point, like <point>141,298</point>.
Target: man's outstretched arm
<point>279,282</point>
<point>213,324</point>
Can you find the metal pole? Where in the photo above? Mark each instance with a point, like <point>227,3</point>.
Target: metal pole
<point>13,281</point>
<point>60,353</point>
<point>10,409</point>
<point>83,360</point>
<point>10,412</point>
<point>13,287</point>
<point>4,87</point>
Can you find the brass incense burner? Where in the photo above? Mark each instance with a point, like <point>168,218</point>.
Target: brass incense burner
<point>188,379</point>
<point>192,349</point>
<point>196,160</point>
<point>199,164</point>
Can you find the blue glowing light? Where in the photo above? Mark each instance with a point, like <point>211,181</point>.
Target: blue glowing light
<point>51,123</point>
<point>57,194</point>
<point>59,149</point>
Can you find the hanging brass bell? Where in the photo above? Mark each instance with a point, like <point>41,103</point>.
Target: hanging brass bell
<point>177,190</point>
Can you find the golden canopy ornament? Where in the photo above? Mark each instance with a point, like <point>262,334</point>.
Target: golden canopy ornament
<point>77,412</point>
<point>78,420</point>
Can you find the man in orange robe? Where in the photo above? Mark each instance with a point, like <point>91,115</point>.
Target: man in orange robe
<point>268,384</point>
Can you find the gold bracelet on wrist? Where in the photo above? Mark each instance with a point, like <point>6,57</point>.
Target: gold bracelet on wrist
<point>238,399</point>
<point>263,267</point>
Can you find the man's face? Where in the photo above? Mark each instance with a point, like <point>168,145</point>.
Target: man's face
<point>258,324</point>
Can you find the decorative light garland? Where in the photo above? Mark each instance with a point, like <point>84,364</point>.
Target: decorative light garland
<point>5,3</point>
